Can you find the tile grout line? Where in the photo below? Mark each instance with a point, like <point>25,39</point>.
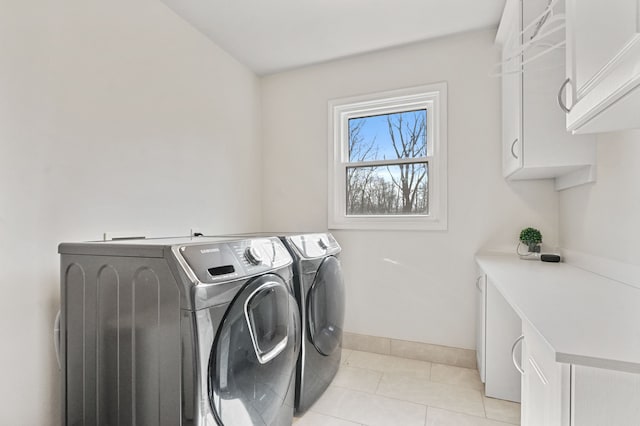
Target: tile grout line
<point>478,417</point>
<point>484,408</point>
<point>340,418</point>
<point>391,398</point>
<point>364,368</point>
<point>429,378</point>
<point>427,405</point>
<point>366,393</point>
<point>378,385</point>
<point>378,373</point>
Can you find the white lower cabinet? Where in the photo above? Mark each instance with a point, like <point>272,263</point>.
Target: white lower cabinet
<point>481,302</point>
<point>556,394</point>
<point>503,326</point>
<point>518,355</point>
<point>545,383</point>
<point>604,397</point>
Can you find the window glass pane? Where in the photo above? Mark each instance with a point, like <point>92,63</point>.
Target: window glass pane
<point>400,189</point>
<point>388,136</point>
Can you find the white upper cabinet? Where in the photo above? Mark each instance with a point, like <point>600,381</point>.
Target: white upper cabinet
<point>603,65</point>
<point>512,149</point>
<point>536,144</point>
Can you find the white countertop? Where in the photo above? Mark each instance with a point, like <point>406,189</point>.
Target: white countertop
<point>585,318</point>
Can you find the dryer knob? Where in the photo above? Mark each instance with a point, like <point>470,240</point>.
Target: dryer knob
<point>253,255</point>
<point>323,244</point>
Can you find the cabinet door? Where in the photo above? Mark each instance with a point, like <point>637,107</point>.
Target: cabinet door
<point>605,397</point>
<point>512,144</point>
<point>503,327</point>
<point>536,404</point>
<point>534,394</point>
<point>545,383</point>
<point>603,59</point>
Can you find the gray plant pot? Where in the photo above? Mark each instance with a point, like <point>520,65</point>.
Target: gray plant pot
<point>534,247</point>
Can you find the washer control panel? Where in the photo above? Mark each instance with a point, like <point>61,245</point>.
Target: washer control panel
<point>261,254</point>
<point>227,261</point>
<point>253,255</point>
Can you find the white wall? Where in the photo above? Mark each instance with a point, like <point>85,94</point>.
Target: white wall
<point>417,286</point>
<point>114,116</point>
<point>603,219</point>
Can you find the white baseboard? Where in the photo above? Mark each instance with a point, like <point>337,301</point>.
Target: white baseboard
<point>413,350</point>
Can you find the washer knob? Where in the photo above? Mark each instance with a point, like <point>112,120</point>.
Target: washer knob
<point>253,255</point>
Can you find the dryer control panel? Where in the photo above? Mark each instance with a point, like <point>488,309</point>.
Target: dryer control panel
<point>315,245</point>
<point>227,261</point>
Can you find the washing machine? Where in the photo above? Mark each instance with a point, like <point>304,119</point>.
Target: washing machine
<point>320,292</point>
<point>182,331</point>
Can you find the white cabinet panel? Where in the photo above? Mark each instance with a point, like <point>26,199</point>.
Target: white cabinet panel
<point>512,152</point>
<point>503,327</point>
<point>605,397</point>
<point>603,65</point>
<point>545,383</point>
<point>601,28</point>
<point>481,282</point>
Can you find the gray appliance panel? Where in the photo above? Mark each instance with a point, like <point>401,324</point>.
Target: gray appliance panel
<point>120,341</point>
<point>196,263</point>
<point>309,245</point>
<point>212,263</point>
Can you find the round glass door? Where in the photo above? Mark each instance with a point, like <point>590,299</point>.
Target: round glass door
<point>253,359</point>
<point>325,307</point>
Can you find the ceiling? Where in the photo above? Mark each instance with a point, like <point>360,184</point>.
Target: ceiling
<point>269,36</point>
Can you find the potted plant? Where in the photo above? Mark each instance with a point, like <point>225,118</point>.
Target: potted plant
<point>532,238</point>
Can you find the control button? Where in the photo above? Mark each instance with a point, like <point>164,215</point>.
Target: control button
<point>323,244</point>
<point>253,255</point>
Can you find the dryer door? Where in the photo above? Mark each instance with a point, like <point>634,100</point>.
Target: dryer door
<point>253,359</point>
<point>325,307</point>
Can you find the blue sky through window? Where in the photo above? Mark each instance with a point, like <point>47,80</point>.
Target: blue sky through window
<point>369,137</point>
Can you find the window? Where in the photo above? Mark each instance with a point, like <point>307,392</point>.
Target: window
<point>388,160</point>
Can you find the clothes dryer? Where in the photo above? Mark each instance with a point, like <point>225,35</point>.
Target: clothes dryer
<point>186,331</point>
<point>320,292</point>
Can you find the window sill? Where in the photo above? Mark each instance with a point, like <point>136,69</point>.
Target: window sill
<point>389,224</point>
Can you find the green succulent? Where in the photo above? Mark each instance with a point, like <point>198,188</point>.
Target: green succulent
<point>530,235</point>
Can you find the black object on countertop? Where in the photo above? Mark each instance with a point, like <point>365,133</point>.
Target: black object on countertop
<point>550,258</point>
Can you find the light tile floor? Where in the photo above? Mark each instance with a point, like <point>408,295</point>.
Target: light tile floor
<point>382,390</point>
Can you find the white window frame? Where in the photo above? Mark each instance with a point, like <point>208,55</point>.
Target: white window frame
<point>433,98</point>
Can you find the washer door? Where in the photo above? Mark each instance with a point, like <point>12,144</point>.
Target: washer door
<point>253,359</point>
<point>325,307</point>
